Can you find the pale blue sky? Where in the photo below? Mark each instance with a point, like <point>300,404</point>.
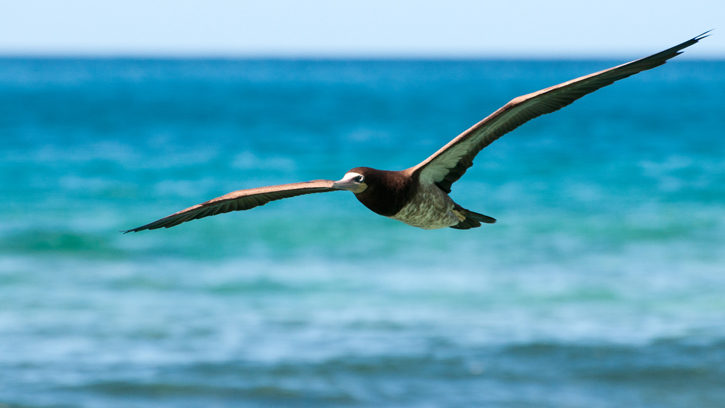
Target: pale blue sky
<point>353,28</point>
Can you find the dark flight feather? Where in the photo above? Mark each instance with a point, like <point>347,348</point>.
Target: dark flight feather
<point>449,163</point>
<point>239,201</point>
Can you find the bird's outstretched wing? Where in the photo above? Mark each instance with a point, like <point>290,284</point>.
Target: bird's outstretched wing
<point>239,201</point>
<point>449,163</point>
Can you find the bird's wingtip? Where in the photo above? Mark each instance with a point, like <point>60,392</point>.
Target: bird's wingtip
<point>703,35</point>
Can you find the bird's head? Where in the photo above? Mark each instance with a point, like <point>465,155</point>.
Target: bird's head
<point>354,180</point>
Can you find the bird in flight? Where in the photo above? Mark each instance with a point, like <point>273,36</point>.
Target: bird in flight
<point>418,196</point>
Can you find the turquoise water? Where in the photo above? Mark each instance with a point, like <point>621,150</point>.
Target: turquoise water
<point>601,285</point>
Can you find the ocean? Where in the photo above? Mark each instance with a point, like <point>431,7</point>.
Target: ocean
<point>601,285</point>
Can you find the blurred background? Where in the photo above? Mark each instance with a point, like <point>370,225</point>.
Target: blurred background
<point>601,285</point>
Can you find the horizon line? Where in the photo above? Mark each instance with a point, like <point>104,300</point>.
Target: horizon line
<point>347,57</point>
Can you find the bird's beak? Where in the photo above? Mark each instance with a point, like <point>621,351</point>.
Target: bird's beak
<point>349,185</point>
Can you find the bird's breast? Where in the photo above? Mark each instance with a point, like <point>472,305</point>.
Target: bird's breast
<point>429,208</point>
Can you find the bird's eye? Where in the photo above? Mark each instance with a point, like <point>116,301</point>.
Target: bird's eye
<point>359,179</point>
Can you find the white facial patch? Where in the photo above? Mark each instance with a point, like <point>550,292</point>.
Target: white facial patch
<point>350,176</point>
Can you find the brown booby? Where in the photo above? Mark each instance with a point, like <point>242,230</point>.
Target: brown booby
<point>418,196</point>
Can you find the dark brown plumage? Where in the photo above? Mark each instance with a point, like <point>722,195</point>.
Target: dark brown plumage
<point>418,196</point>
<point>388,191</point>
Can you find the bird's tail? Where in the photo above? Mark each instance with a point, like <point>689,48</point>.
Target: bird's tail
<point>472,219</point>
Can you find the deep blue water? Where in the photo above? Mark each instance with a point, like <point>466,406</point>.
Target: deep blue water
<point>601,285</point>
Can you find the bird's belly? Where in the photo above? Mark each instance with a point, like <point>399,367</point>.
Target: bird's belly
<point>431,208</point>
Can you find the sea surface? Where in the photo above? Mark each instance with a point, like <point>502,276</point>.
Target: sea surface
<point>602,284</point>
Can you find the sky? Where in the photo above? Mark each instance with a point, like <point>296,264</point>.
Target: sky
<point>362,29</point>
